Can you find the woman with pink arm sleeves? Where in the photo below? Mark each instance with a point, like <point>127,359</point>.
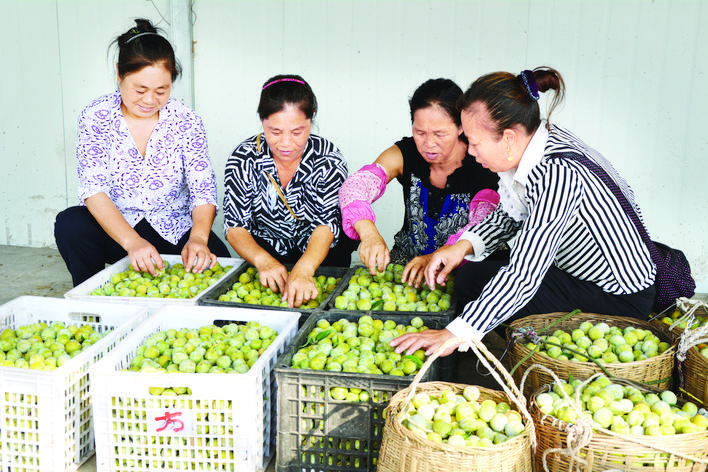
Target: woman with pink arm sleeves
<point>445,191</point>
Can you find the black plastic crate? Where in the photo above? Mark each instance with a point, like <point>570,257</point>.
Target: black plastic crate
<point>223,286</point>
<point>315,432</point>
<point>344,284</point>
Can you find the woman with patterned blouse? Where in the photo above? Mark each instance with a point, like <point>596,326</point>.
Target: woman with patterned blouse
<point>281,186</point>
<point>444,189</point>
<point>146,185</point>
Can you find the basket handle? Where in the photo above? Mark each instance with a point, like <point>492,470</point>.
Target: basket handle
<point>426,365</point>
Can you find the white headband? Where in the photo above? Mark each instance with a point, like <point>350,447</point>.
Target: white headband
<point>140,34</point>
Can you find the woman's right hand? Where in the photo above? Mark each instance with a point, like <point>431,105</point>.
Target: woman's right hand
<point>143,256</point>
<point>373,251</point>
<point>272,274</point>
<point>444,260</point>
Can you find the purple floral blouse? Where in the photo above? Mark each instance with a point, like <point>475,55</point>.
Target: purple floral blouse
<point>163,187</point>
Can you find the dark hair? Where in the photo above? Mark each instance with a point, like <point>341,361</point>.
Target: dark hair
<point>509,102</point>
<point>282,89</point>
<point>143,46</point>
<point>441,92</point>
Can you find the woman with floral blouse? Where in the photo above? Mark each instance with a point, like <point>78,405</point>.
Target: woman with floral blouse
<point>146,185</point>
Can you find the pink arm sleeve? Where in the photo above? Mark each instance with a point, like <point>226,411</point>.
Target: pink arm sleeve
<point>357,194</point>
<point>482,204</point>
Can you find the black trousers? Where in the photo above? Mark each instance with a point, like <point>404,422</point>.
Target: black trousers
<point>559,292</point>
<point>338,256</point>
<point>87,248</point>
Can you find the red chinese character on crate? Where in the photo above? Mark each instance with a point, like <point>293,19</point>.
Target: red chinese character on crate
<point>169,419</point>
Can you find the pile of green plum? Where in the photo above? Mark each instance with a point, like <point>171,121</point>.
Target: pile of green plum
<point>359,346</point>
<point>601,343</point>
<point>42,346</point>
<point>172,282</point>
<point>461,419</point>
<point>623,409</point>
<point>248,289</point>
<point>702,349</point>
<point>385,292</point>
<point>232,348</point>
<point>697,322</point>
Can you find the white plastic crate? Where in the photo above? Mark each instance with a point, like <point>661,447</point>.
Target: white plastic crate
<point>228,421</point>
<point>83,290</point>
<point>46,416</point>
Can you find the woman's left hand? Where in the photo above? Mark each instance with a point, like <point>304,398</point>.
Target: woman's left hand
<point>414,272</point>
<point>197,257</point>
<point>299,289</point>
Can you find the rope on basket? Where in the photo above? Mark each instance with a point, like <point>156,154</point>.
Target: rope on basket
<point>581,434</point>
<point>578,434</point>
<point>509,387</point>
<point>688,307</point>
<point>689,337</point>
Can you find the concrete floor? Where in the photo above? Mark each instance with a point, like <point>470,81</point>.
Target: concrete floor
<point>42,272</point>
<point>32,271</point>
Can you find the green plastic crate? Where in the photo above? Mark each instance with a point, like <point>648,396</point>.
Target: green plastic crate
<point>224,285</point>
<point>316,432</point>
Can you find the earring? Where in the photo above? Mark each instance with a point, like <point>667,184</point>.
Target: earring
<point>510,158</point>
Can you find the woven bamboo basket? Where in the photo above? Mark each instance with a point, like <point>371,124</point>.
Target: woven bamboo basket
<point>656,371</point>
<point>695,374</point>
<point>606,451</point>
<point>404,451</point>
<point>692,365</point>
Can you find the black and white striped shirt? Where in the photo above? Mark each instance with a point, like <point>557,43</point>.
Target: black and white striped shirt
<point>573,221</point>
<point>251,200</point>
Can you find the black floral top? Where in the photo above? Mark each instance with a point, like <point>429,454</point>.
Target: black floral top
<point>433,214</point>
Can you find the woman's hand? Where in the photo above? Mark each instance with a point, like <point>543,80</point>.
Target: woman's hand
<point>196,256</point>
<point>300,288</point>
<point>444,260</point>
<point>301,284</point>
<point>373,251</point>
<point>414,272</point>
<point>143,256</point>
<point>431,340</point>
<point>272,274</point>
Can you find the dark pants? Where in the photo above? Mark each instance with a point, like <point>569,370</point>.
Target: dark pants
<point>87,248</point>
<point>559,292</point>
<point>338,256</point>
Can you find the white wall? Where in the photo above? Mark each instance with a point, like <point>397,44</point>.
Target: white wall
<point>55,60</point>
<point>635,71</point>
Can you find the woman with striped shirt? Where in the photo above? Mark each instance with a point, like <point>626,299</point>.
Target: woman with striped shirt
<point>574,247</point>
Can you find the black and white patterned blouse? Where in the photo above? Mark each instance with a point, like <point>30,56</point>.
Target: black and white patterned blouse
<point>251,201</point>
<point>565,217</point>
